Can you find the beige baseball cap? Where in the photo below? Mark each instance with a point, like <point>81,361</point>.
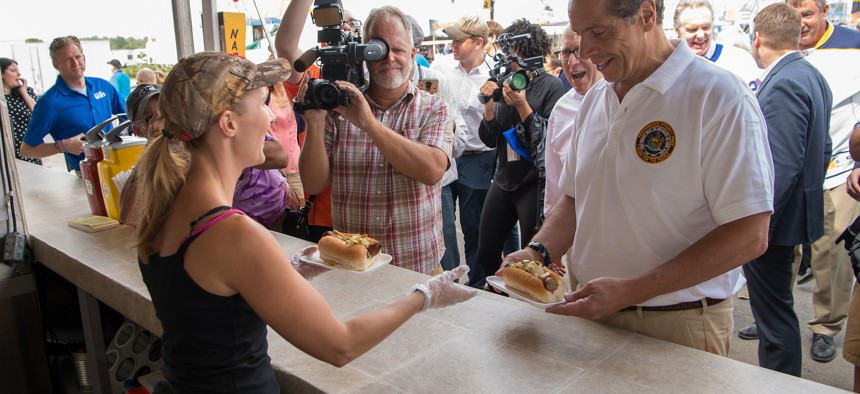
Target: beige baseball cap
<point>468,26</point>
<point>202,86</point>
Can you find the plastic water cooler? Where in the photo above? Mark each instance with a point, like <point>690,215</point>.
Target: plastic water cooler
<point>89,166</point>
<point>120,156</point>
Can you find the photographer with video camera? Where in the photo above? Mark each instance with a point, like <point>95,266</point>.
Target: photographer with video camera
<point>518,100</point>
<point>383,145</point>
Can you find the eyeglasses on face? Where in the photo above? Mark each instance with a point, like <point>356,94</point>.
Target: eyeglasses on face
<point>564,54</point>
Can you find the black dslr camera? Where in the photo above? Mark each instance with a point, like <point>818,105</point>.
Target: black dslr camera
<point>340,59</point>
<point>502,72</point>
<point>851,239</point>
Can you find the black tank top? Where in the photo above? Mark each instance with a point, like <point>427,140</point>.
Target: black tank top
<point>211,344</point>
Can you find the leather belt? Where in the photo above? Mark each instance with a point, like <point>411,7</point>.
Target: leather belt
<point>681,306</point>
<point>473,152</point>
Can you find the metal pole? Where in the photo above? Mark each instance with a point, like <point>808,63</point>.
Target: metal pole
<point>183,27</point>
<point>211,31</point>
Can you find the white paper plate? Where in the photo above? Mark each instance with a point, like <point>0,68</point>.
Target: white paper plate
<point>499,283</point>
<point>380,261</point>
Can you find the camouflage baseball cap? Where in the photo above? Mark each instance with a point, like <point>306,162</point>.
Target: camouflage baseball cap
<point>202,86</point>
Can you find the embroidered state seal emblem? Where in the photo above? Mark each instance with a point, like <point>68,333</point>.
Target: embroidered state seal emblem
<point>655,142</point>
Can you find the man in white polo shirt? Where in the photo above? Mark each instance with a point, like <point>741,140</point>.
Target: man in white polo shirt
<point>668,183</point>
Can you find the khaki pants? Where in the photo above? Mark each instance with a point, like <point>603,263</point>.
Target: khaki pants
<point>851,348</point>
<point>708,328</point>
<point>831,267</point>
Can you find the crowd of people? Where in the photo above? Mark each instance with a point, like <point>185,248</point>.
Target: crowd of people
<point>662,175</point>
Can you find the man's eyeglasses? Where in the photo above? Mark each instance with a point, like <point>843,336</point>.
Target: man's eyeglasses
<point>354,24</point>
<point>564,54</point>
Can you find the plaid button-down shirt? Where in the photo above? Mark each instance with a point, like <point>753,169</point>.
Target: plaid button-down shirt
<point>370,196</point>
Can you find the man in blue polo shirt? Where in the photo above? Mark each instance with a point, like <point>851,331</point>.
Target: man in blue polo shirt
<point>71,107</point>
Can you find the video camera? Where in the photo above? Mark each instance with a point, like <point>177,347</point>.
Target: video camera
<point>340,58</point>
<point>503,73</point>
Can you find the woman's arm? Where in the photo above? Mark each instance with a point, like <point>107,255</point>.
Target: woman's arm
<point>259,270</point>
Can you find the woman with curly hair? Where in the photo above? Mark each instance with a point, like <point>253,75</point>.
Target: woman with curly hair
<point>516,128</point>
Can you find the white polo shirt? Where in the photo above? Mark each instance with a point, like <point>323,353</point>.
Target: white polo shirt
<point>685,152</point>
<point>466,86</point>
<point>559,130</point>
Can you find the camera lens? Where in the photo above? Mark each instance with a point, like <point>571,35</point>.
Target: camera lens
<point>519,80</point>
<point>323,94</point>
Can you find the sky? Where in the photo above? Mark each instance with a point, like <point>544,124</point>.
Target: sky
<point>46,19</point>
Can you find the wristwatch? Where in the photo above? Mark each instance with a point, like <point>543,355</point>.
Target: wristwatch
<point>538,247</point>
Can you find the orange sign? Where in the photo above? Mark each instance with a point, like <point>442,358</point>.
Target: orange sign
<point>232,26</point>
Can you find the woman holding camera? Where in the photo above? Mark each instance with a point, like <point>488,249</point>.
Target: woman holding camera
<point>516,128</point>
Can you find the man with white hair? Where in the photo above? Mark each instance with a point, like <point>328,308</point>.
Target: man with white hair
<point>385,154</point>
<point>694,22</point>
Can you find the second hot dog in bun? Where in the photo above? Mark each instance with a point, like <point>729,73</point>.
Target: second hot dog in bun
<point>351,251</point>
<point>535,281</point>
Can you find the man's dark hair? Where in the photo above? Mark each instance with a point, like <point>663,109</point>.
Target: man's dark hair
<point>538,45</point>
<point>628,9</point>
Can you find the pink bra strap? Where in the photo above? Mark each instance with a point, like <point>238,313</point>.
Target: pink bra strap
<point>211,223</point>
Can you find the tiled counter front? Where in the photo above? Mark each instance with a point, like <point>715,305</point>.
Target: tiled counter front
<point>489,344</point>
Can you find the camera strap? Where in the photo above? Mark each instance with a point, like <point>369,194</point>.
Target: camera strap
<point>534,73</point>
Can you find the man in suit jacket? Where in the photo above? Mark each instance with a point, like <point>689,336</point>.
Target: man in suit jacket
<point>795,100</point>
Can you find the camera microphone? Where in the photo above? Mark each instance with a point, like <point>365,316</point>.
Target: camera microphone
<point>303,62</point>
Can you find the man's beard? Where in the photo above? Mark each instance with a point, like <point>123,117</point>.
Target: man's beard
<point>391,80</point>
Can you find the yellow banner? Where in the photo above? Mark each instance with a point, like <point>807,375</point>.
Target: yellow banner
<point>232,26</point>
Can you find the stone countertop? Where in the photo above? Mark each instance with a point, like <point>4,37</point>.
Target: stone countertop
<point>488,344</point>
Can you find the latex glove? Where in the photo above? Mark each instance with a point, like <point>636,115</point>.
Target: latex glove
<point>441,291</point>
<point>306,270</point>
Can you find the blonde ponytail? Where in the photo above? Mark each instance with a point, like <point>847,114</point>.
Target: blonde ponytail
<point>162,169</point>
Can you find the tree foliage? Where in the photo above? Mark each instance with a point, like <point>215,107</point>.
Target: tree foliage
<point>33,41</point>
<point>119,42</point>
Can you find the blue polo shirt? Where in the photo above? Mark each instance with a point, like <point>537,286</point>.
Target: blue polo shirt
<point>839,37</point>
<point>65,113</point>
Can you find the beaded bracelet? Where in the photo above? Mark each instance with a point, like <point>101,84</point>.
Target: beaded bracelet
<point>63,144</point>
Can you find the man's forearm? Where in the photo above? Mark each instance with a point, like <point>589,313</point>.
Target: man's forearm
<point>314,166</point>
<point>41,150</point>
<point>721,250</point>
<point>557,232</point>
<point>421,162</point>
<point>276,156</point>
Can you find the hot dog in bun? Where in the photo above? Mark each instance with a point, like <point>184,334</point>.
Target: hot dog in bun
<point>534,281</point>
<point>351,251</point>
